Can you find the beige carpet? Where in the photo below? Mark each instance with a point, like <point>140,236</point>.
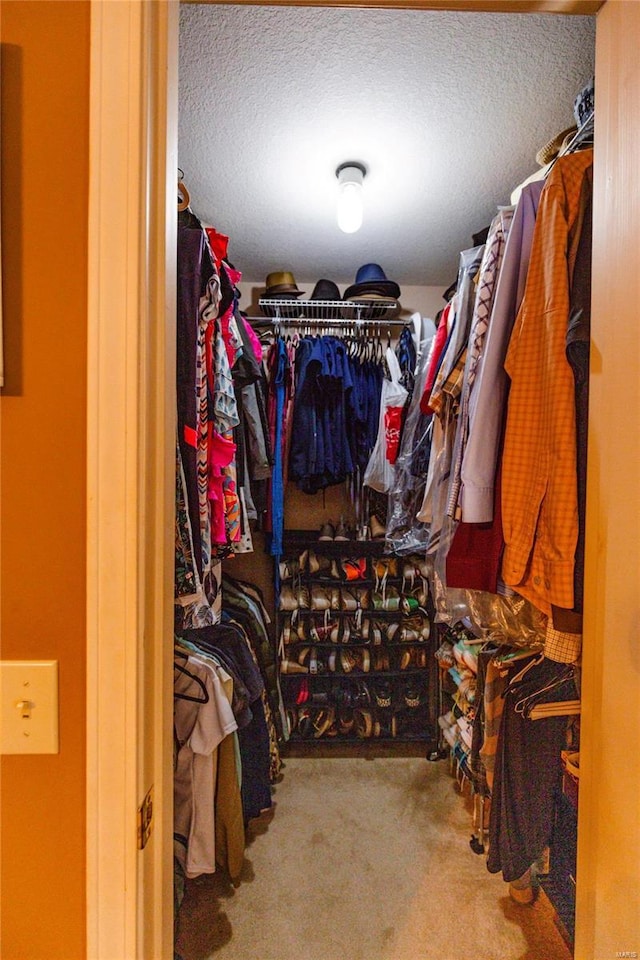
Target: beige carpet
<point>364,860</point>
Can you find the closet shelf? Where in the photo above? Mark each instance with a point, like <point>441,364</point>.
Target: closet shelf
<point>319,311</point>
<point>307,540</point>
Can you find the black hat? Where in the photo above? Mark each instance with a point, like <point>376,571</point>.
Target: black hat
<point>325,290</point>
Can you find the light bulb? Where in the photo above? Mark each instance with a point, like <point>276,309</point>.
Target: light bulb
<point>350,178</point>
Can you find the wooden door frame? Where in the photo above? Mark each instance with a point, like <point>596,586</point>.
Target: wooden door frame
<point>130,474</point>
<point>131,393</point>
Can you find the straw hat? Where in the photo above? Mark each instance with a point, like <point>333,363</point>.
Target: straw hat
<point>551,149</point>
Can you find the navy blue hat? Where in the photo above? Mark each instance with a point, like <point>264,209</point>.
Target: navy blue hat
<point>371,278</point>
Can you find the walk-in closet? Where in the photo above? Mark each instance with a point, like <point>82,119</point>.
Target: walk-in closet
<point>380,481</point>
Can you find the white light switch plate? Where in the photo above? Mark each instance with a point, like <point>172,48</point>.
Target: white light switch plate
<point>29,706</point>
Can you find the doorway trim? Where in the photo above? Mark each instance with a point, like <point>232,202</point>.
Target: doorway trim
<point>131,317</point>
<point>130,474</point>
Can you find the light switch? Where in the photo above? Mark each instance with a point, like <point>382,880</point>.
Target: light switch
<point>29,706</point>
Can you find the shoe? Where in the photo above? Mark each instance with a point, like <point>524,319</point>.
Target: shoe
<point>343,531</point>
<point>345,721</point>
<point>384,727</point>
<point>392,630</point>
<point>420,658</point>
<point>303,656</point>
<point>318,563</point>
<point>324,632</point>
<point>354,569</point>
<point>378,530</point>
<point>288,569</point>
<point>355,660</point>
<point>303,692</point>
<point>380,660</point>
<point>388,599</point>
<point>416,627</point>
<point>287,599</point>
<point>302,597</point>
<point>286,633</point>
<point>361,695</point>
<point>327,532</point>
<point>363,722</point>
<point>355,598</point>
<point>342,694</point>
<point>405,660</point>
<point>382,693</point>
<point>412,696</point>
<point>290,666</point>
<point>292,719</point>
<point>383,568</point>
<point>305,723</point>
<point>320,598</point>
<point>323,720</point>
<point>315,665</point>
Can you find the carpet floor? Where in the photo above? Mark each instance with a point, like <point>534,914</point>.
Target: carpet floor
<point>365,859</point>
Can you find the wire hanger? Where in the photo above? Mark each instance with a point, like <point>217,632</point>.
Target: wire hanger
<point>197,680</point>
<point>532,698</point>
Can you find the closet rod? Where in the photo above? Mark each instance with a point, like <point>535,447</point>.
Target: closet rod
<point>262,322</point>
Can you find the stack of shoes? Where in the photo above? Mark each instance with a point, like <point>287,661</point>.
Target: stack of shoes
<point>449,727</point>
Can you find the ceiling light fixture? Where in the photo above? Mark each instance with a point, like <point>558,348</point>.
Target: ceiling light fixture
<point>350,179</point>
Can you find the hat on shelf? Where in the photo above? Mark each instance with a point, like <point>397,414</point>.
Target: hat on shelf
<point>551,149</point>
<point>371,279</point>
<point>325,290</point>
<point>583,105</point>
<point>378,297</point>
<point>282,283</point>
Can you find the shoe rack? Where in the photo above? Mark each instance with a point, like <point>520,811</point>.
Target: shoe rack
<point>356,642</point>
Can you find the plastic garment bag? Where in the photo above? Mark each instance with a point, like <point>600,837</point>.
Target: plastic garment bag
<point>380,471</point>
<point>405,533</point>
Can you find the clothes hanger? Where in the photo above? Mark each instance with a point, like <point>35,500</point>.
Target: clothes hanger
<point>512,654</point>
<point>197,680</point>
<point>184,199</point>
<point>532,698</point>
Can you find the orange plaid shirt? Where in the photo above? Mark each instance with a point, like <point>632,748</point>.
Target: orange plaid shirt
<point>539,487</point>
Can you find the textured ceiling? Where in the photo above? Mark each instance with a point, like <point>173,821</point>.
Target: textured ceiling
<point>445,109</point>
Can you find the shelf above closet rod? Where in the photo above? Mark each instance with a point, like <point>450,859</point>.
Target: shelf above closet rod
<point>361,309</point>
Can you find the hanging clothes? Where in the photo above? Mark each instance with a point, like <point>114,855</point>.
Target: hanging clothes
<point>539,493</point>
<point>487,399</point>
<point>222,424</point>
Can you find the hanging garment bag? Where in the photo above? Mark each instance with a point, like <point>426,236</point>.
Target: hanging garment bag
<point>380,472</point>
